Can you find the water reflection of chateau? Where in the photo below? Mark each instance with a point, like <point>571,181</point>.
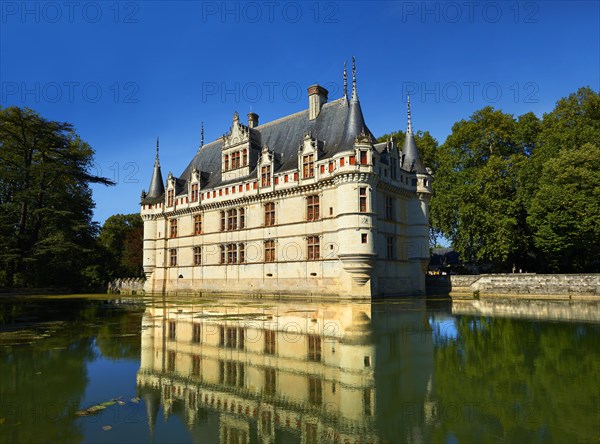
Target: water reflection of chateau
<point>295,372</point>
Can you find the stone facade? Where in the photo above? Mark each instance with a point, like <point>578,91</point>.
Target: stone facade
<point>308,204</point>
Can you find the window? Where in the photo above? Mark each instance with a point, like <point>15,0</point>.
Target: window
<point>315,391</point>
<point>196,361</point>
<point>394,168</point>
<point>265,174</point>
<point>244,157</point>
<point>362,199</point>
<point>312,208</point>
<point>242,214</point>
<point>173,232</point>
<point>390,248</point>
<point>269,342</point>
<point>389,208</point>
<point>231,219</point>
<point>270,251</point>
<point>170,197</point>
<point>172,357</point>
<point>222,220</point>
<point>313,248</point>
<point>226,162</point>
<point>270,381</point>
<point>308,166</point>
<point>367,401</point>
<point>314,348</point>
<point>197,255</point>
<point>197,224</point>
<point>352,160</point>
<point>270,214</point>
<point>363,157</point>
<point>231,254</point>
<point>331,166</point>
<point>173,257</point>
<point>363,238</point>
<point>194,192</point>
<point>342,161</point>
<point>172,330</point>
<point>196,333</point>
<point>235,160</point>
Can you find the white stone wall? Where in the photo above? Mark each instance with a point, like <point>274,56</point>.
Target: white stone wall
<point>339,227</point>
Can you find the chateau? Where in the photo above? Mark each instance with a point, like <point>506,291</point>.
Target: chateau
<point>309,204</point>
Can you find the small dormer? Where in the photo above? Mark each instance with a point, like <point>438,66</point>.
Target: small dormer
<point>237,155</point>
<point>171,190</point>
<point>194,185</point>
<point>266,166</point>
<point>308,155</point>
<point>363,147</point>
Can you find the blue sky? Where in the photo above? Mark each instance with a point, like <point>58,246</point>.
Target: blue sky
<point>126,72</point>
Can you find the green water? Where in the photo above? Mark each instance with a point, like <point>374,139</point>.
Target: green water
<point>228,371</point>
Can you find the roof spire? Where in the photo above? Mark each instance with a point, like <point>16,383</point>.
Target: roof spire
<point>354,89</point>
<point>345,82</point>
<point>202,134</point>
<point>157,161</point>
<point>409,128</point>
<point>157,187</point>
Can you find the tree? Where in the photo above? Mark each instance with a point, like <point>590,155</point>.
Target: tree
<point>565,210</point>
<point>47,236</point>
<point>122,238</point>
<point>476,202</point>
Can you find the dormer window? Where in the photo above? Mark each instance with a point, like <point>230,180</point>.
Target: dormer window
<point>308,166</point>
<point>170,197</point>
<point>194,192</point>
<point>244,157</point>
<point>226,162</point>
<point>265,175</point>
<point>235,160</point>
<point>363,157</point>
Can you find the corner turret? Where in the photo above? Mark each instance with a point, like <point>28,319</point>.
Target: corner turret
<point>157,186</point>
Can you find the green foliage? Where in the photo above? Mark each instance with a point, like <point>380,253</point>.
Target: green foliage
<point>121,237</point>
<point>46,231</point>
<point>517,381</point>
<point>523,191</point>
<point>565,211</point>
<point>476,202</point>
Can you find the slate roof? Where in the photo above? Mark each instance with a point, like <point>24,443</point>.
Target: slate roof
<point>338,123</point>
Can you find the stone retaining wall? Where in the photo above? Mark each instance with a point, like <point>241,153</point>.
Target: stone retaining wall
<point>523,285</point>
<point>126,286</point>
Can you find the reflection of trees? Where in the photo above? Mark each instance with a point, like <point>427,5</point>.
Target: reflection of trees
<point>121,339</point>
<point>42,384</point>
<point>513,381</point>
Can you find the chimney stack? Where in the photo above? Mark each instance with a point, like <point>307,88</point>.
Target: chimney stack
<point>317,97</point>
<point>252,120</point>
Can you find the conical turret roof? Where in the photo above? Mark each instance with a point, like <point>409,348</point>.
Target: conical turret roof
<point>157,186</point>
<point>410,154</point>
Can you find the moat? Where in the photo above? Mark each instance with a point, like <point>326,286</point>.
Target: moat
<point>96,368</point>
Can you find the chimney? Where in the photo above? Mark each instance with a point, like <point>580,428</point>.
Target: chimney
<point>252,120</point>
<point>317,97</point>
